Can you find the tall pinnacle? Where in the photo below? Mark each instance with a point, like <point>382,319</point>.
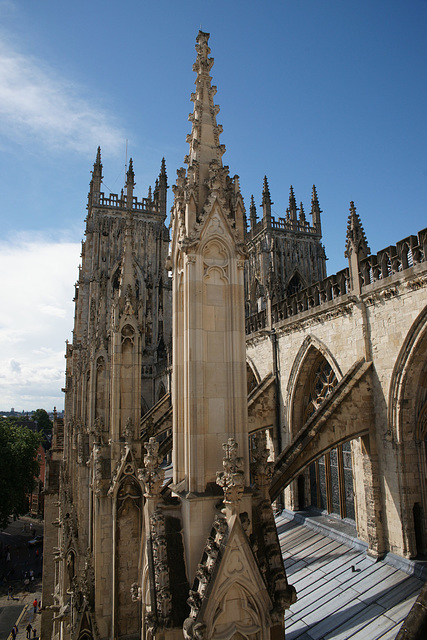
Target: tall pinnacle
<point>356,239</point>
<point>95,184</point>
<point>204,137</point>
<point>266,202</point>
<point>316,211</point>
<point>252,213</point>
<point>292,205</point>
<point>130,183</point>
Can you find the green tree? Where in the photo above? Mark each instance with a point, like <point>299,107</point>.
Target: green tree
<point>18,468</point>
<point>43,421</point>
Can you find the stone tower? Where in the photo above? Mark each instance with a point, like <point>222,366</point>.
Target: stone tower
<point>116,370</point>
<point>285,255</point>
<point>226,561</point>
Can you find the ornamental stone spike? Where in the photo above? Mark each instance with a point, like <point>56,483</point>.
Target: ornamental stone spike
<point>292,205</point>
<point>232,478</point>
<point>316,211</point>
<point>95,183</point>
<point>356,248</point>
<point>152,475</point>
<point>130,183</point>
<point>204,137</point>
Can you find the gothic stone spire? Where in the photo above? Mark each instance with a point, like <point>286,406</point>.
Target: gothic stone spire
<point>266,202</point>
<point>252,213</point>
<point>204,138</point>
<point>130,183</point>
<point>316,211</point>
<point>356,248</point>
<point>95,184</point>
<point>292,205</point>
<point>356,239</point>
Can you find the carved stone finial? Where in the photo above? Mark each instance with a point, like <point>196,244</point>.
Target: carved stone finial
<point>152,476</point>
<point>135,591</point>
<point>128,431</point>
<point>356,239</point>
<point>262,471</point>
<point>232,478</point>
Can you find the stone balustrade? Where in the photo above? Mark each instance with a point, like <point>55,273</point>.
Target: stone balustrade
<point>113,201</point>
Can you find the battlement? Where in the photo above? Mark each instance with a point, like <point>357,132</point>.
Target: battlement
<point>394,259</point>
<point>282,224</point>
<point>114,201</point>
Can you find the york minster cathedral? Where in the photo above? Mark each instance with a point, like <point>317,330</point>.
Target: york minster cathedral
<point>216,373</point>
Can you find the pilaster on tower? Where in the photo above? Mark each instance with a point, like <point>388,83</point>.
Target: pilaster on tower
<point>127,279</point>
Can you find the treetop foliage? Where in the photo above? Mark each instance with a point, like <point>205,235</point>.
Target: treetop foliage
<point>43,421</point>
<point>18,468</point>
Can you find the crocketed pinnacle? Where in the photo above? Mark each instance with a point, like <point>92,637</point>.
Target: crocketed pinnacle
<point>252,212</point>
<point>292,204</point>
<point>95,185</point>
<point>130,183</point>
<point>163,177</point>
<point>130,175</point>
<point>266,198</point>
<point>316,211</point>
<point>355,237</point>
<point>204,137</point>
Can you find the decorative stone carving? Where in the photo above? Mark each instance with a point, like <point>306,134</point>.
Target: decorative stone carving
<point>232,478</point>
<point>152,475</point>
<point>161,569</point>
<point>129,430</point>
<point>262,471</point>
<point>194,630</point>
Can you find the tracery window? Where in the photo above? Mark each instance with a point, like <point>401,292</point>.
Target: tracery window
<point>320,384</point>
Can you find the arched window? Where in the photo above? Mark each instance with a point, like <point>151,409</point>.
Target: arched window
<point>295,284</point>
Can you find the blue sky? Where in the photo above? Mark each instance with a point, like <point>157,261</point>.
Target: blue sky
<point>323,92</point>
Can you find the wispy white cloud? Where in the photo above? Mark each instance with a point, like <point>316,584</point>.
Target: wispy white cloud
<point>37,103</point>
<point>36,316</point>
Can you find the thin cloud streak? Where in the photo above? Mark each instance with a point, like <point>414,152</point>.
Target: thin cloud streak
<point>36,102</point>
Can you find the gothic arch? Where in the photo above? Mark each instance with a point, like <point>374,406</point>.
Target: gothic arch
<point>85,632</point>
<point>409,365</point>
<point>295,283</point>
<point>312,354</point>
<point>255,609</point>
<point>408,426</point>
